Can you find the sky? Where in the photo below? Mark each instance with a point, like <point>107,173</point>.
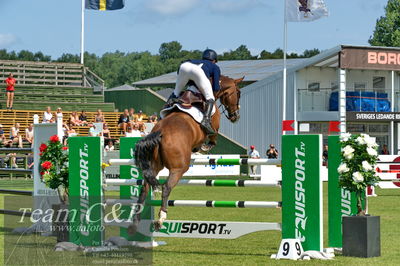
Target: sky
<point>54,26</point>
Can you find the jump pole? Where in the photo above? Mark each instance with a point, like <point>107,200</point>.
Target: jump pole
<point>301,191</point>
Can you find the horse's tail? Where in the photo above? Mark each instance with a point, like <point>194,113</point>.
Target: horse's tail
<point>144,155</point>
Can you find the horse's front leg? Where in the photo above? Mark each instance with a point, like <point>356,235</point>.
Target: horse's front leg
<point>132,228</point>
<point>173,179</point>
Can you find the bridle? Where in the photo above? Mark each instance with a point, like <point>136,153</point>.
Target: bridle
<point>223,93</point>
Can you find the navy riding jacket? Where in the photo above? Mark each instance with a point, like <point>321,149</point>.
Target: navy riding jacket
<point>211,70</point>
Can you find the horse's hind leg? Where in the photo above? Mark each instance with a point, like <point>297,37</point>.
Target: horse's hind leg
<point>132,228</point>
<point>173,179</point>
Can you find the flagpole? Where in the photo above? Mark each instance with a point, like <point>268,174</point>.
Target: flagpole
<point>284,66</point>
<point>82,31</point>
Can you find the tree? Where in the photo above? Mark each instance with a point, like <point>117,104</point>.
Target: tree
<point>311,53</point>
<point>170,50</point>
<point>387,28</point>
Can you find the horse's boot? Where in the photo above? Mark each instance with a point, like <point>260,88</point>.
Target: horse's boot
<point>206,122</point>
<point>173,99</point>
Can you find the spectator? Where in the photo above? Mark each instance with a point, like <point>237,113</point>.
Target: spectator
<point>132,115</point>
<point>29,134</point>
<point>12,158</point>
<point>15,136</point>
<point>384,150</point>
<point>110,146</point>
<point>2,135</point>
<point>272,153</point>
<point>92,131</point>
<point>133,131</point>
<point>99,118</point>
<point>153,118</point>
<point>83,117</point>
<point>59,111</point>
<point>48,116</point>
<point>69,132</point>
<point>253,154</point>
<point>74,119</point>
<point>142,129</point>
<point>140,116</point>
<point>325,155</point>
<point>123,121</point>
<point>10,82</point>
<point>106,133</point>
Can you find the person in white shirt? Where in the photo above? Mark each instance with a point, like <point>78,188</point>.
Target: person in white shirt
<point>133,131</point>
<point>29,134</point>
<point>253,154</point>
<point>48,116</point>
<point>110,146</point>
<point>92,131</point>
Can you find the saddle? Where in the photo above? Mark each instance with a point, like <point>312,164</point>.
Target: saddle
<point>190,99</point>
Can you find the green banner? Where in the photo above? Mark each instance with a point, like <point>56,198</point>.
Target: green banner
<point>127,146</point>
<point>302,190</point>
<point>85,191</point>
<point>341,202</point>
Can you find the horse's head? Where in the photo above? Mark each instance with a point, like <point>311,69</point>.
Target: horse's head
<point>229,96</point>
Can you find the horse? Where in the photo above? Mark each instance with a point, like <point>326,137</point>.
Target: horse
<point>171,142</point>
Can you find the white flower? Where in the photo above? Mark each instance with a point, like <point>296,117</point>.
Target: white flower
<point>345,136</point>
<point>348,152</point>
<point>358,177</point>
<point>372,151</point>
<point>370,142</point>
<point>361,140</point>
<point>366,166</point>
<point>343,168</point>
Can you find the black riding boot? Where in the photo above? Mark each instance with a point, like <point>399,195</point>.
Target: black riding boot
<point>206,122</point>
<point>172,100</point>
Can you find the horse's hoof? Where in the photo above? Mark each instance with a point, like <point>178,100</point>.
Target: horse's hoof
<point>157,226</point>
<point>132,229</point>
<point>206,147</point>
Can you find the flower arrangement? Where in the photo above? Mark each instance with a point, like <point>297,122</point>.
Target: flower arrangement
<point>54,166</point>
<point>357,169</point>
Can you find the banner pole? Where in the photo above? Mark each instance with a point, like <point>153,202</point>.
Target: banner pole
<point>82,31</point>
<point>284,66</point>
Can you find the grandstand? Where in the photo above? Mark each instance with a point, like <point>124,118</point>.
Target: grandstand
<point>72,87</point>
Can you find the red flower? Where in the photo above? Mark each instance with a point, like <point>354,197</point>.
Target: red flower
<point>42,173</point>
<point>65,148</point>
<point>54,139</point>
<point>40,154</point>
<point>46,165</point>
<point>42,147</point>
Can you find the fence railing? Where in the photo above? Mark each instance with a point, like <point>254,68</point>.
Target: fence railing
<point>43,73</point>
<point>90,79</point>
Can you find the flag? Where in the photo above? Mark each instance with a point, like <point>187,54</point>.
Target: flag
<point>305,10</point>
<point>287,125</point>
<point>334,126</point>
<point>104,4</point>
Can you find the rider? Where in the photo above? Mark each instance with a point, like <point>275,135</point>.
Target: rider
<point>200,72</point>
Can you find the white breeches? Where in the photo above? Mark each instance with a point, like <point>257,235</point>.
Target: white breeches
<point>189,71</point>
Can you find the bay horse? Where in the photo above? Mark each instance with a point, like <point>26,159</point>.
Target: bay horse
<point>171,142</point>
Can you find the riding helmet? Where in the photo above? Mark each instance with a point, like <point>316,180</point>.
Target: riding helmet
<point>210,54</point>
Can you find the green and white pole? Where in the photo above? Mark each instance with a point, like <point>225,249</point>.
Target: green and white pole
<point>197,182</point>
<point>200,203</point>
<point>302,190</point>
<point>199,161</point>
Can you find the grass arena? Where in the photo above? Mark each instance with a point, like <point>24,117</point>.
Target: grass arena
<point>252,249</point>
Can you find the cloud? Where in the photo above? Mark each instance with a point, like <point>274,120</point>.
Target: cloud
<point>229,7</point>
<point>7,40</point>
<point>171,7</point>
